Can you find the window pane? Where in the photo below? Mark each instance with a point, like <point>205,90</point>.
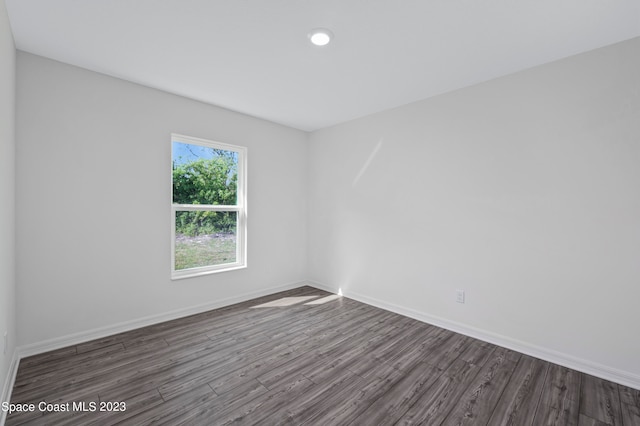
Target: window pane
<point>204,175</point>
<point>205,238</point>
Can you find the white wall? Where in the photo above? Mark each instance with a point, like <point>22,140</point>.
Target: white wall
<point>523,191</point>
<point>7,193</point>
<point>93,194</point>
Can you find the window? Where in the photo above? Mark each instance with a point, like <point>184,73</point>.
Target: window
<point>208,208</point>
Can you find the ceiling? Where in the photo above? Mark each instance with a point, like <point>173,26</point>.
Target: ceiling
<point>253,56</point>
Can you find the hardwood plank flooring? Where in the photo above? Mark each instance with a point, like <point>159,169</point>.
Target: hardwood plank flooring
<point>599,400</point>
<point>340,362</point>
<point>519,400</point>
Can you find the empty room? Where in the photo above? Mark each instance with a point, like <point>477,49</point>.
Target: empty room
<point>367,212</point>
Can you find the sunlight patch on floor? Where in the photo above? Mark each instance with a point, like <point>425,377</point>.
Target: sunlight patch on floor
<point>285,301</point>
<point>323,300</point>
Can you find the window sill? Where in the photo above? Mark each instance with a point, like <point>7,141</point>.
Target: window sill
<point>179,275</point>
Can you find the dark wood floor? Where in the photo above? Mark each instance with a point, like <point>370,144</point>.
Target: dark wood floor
<point>341,362</point>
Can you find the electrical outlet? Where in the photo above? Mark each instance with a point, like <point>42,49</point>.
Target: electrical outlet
<point>6,342</point>
<point>460,296</point>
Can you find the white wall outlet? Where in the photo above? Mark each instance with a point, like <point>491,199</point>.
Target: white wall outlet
<point>460,296</point>
<point>6,342</point>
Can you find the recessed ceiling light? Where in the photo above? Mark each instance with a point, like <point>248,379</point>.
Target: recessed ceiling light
<point>320,36</point>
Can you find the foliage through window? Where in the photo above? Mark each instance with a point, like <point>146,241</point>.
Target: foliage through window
<point>208,209</point>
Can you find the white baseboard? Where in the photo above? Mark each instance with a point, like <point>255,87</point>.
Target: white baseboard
<point>101,332</point>
<point>321,286</point>
<point>589,367</point>
<point>98,333</point>
<point>8,384</point>
<point>586,366</point>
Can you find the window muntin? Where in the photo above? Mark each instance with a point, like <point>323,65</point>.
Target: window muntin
<point>208,209</point>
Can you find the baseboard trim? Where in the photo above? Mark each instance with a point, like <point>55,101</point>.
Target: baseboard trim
<point>589,367</point>
<point>7,389</point>
<point>101,332</point>
<point>321,286</point>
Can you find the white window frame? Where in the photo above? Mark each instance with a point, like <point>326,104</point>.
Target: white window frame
<point>240,208</point>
